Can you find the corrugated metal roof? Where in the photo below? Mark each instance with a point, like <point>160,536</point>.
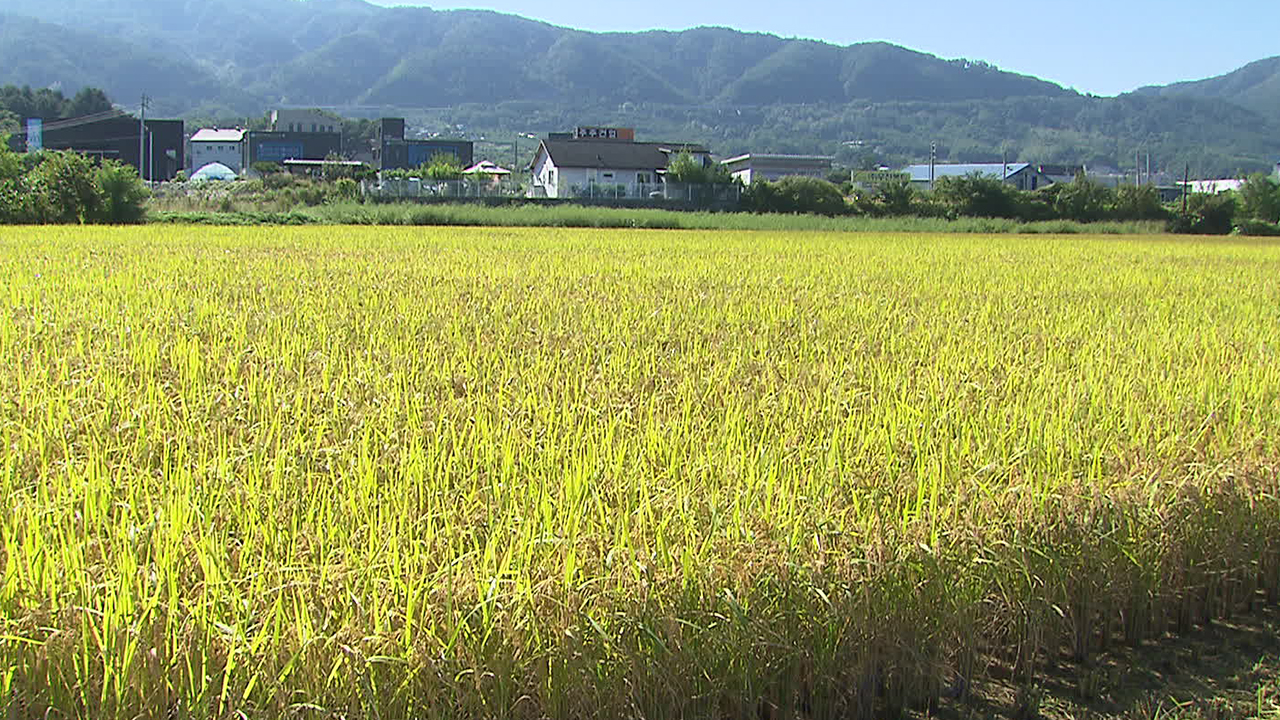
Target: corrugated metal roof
<point>621,155</point>
<point>217,135</point>
<point>920,173</point>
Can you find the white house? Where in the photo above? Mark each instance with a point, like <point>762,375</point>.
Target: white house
<point>210,145</point>
<point>757,166</point>
<point>607,167</point>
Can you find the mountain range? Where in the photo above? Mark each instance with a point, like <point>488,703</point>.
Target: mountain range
<point>228,58</point>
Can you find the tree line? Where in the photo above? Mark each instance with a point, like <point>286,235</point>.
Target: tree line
<point>17,103</point>
<point>1254,209</point>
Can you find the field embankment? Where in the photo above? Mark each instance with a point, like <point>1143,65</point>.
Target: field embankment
<point>480,472</point>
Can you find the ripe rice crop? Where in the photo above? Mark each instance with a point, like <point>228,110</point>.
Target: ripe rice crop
<point>377,473</point>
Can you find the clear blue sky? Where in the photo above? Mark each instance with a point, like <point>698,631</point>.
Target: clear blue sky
<point>1099,46</point>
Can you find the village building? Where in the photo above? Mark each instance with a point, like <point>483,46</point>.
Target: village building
<point>1213,187</point>
<point>605,163</point>
<point>1023,176</point>
<point>757,166</point>
<point>218,145</point>
<point>395,152</point>
<point>156,148</point>
<point>304,120</point>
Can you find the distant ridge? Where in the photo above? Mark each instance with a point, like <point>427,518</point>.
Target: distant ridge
<point>348,52</point>
<point>1255,86</point>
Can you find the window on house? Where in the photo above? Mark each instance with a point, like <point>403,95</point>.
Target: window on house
<point>608,176</point>
<point>642,178</point>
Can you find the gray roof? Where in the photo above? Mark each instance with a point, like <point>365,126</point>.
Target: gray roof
<point>920,173</point>
<point>623,155</point>
<point>774,157</point>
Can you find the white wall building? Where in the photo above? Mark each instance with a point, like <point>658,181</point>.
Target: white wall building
<point>757,166</point>
<point>1213,187</point>
<point>605,168</point>
<point>210,145</point>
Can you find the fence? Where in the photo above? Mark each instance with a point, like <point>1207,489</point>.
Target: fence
<point>414,188</point>
<point>658,194</point>
<point>687,193</point>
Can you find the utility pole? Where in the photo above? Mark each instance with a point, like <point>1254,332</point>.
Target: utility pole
<point>1186,188</point>
<point>933,160</point>
<point>142,135</point>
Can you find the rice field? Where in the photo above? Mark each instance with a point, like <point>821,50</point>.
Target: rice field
<point>375,473</point>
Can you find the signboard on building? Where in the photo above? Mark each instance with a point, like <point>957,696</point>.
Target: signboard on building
<point>880,177</point>
<point>604,133</point>
<point>35,135</point>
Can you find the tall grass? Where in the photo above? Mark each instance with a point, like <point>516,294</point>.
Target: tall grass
<point>580,216</point>
<point>376,473</point>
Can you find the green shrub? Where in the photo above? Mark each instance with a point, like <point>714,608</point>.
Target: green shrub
<point>1252,226</point>
<point>444,167</point>
<point>123,193</point>
<point>1259,199</point>
<point>976,195</point>
<point>265,168</point>
<point>278,180</point>
<point>1207,214</point>
<point>895,199</point>
<point>346,189</point>
<point>64,189</point>
<point>1082,200</point>
<point>795,195</point>
<point>1138,202</point>
<point>684,168</point>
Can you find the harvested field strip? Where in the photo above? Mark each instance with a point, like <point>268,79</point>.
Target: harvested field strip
<point>547,473</point>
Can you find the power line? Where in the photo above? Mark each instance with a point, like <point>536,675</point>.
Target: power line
<point>85,120</point>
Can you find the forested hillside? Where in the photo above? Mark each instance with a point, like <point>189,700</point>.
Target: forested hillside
<point>347,52</point>
<point>1255,86</point>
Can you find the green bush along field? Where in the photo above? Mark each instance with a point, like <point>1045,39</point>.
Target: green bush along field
<point>331,472</point>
